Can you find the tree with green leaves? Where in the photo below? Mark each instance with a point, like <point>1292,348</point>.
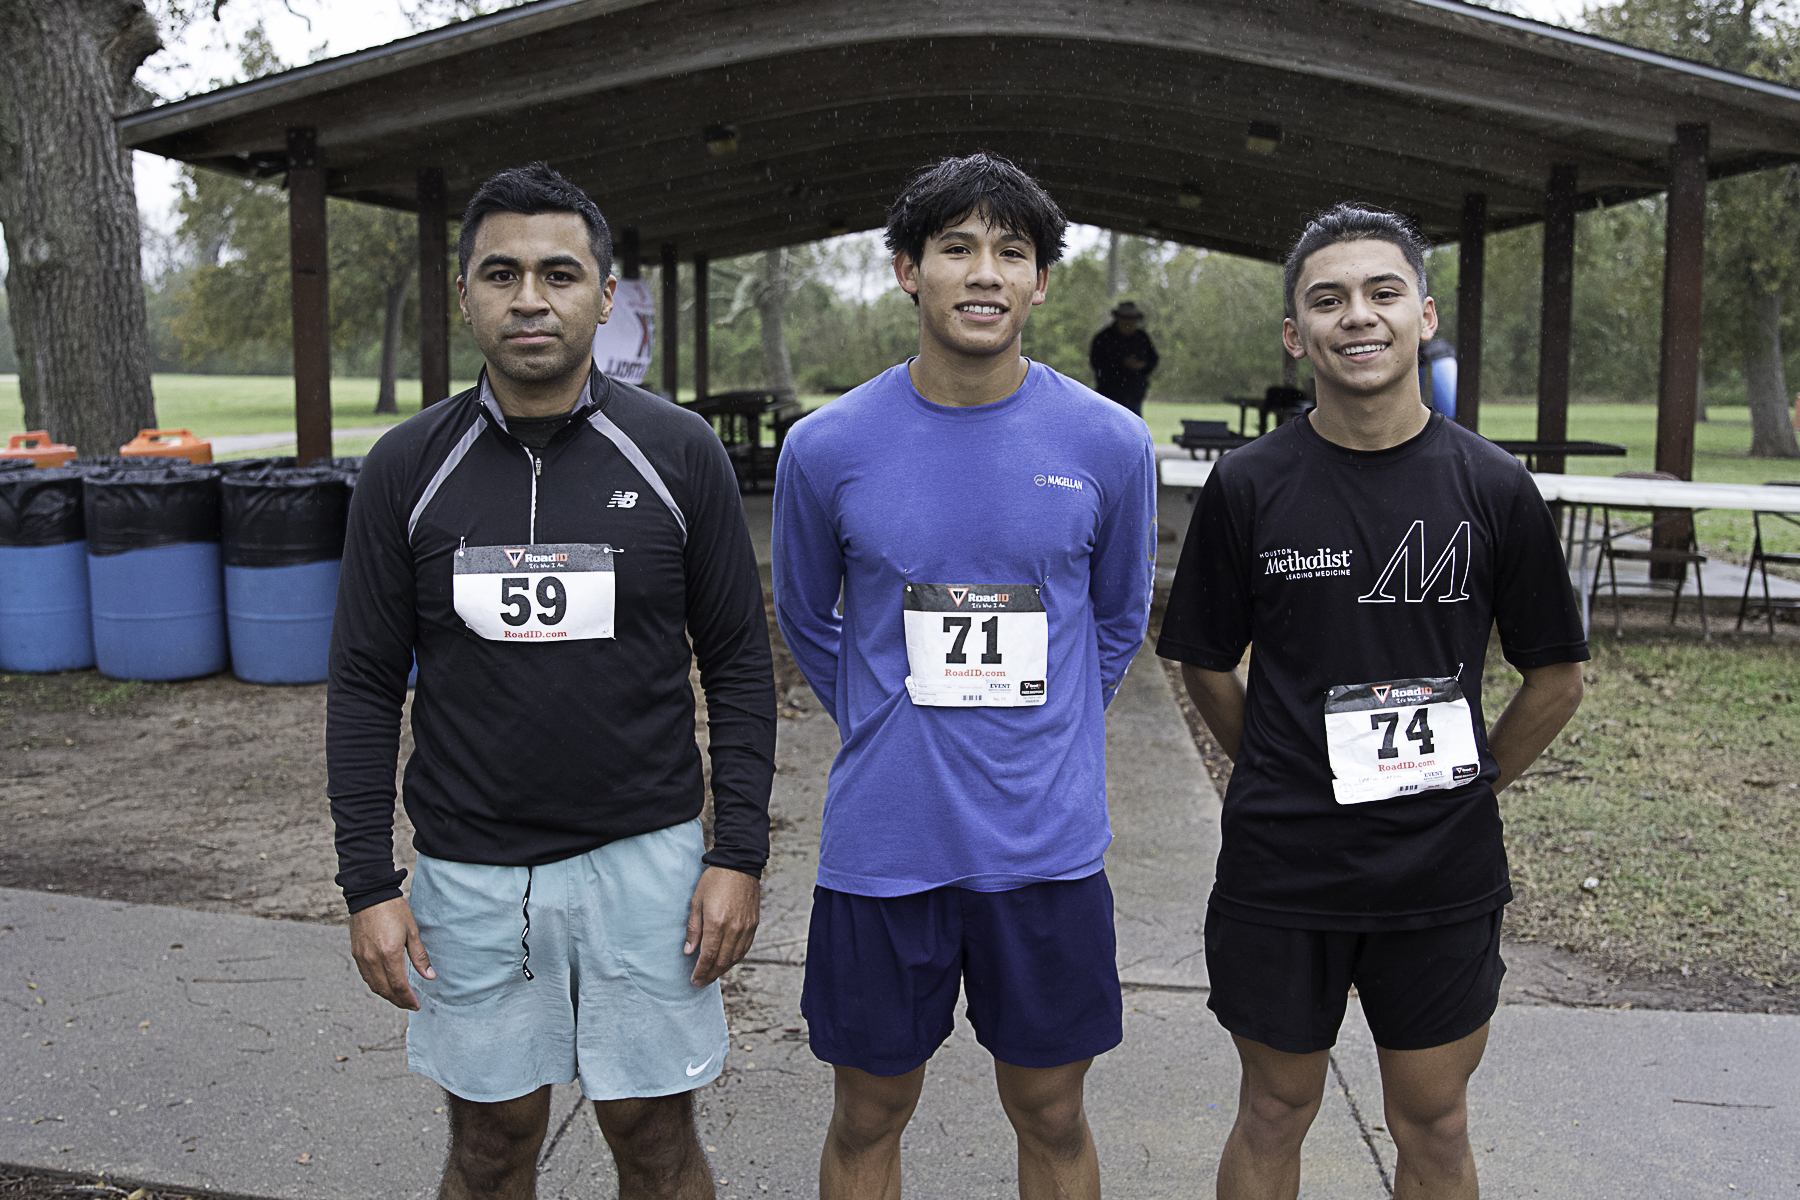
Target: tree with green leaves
<point>1753,244</point>
<point>239,293</point>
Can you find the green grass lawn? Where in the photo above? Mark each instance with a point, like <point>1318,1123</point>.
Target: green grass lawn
<point>216,405</point>
<point>1674,790</point>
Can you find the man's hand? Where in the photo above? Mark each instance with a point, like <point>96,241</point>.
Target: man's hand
<point>1219,697</point>
<point>721,922</point>
<point>1535,715</point>
<point>382,938</point>
<point>1134,364</point>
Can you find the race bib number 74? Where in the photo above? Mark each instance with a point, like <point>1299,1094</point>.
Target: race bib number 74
<point>977,645</point>
<point>546,592</point>
<point>1398,738</point>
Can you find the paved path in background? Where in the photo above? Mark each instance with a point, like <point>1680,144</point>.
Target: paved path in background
<point>232,443</point>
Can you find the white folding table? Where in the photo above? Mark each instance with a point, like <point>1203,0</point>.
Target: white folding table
<point>1589,492</point>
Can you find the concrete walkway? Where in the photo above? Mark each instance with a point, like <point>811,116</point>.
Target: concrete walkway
<point>242,1055</point>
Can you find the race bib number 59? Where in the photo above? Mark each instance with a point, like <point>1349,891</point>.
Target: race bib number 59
<point>1398,738</point>
<point>547,592</point>
<point>978,645</point>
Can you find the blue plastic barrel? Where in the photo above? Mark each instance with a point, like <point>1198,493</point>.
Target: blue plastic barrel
<point>44,615</point>
<point>283,545</point>
<point>154,571</point>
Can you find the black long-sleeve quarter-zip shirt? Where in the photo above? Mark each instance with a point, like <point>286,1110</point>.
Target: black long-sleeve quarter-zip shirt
<point>534,750</point>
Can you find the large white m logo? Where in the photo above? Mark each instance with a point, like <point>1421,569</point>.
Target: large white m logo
<point>1409,560</point>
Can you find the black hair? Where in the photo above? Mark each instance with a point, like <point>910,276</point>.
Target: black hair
<point>1006,197</point>
<point>1352,223</point>
<point>528,191</point>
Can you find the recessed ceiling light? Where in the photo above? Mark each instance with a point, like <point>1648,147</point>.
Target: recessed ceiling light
<point>1262,138</point>
<point>721,140</point>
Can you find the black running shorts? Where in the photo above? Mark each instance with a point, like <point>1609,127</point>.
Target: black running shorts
<point>1419,988</point>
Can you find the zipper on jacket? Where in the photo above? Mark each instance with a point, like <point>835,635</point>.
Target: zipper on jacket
<point>537,469</point>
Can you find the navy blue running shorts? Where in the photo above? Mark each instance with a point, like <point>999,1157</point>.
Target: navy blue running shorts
<point>1419,988</point>
<point>1037,963</point>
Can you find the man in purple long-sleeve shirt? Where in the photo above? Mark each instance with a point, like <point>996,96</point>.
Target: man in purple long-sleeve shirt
<point>989,525</point>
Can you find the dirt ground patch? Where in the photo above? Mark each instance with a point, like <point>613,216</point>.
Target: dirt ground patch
<point>207,795</point>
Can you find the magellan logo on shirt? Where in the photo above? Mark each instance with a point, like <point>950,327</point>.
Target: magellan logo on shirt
<point>1061,481</point>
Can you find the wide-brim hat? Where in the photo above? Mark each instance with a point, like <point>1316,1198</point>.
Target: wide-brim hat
<point>1129,311</point>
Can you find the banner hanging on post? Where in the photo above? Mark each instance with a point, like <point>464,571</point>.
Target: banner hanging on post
<point>622,345</point>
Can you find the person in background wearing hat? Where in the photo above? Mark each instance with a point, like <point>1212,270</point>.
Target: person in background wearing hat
<point>1123,356</point>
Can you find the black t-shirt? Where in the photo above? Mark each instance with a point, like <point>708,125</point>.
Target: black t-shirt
<point>1351,567</point>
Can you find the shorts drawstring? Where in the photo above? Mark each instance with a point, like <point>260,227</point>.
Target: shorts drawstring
<point>525,907</point>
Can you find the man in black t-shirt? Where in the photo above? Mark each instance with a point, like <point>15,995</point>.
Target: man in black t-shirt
<point>1367,551</point>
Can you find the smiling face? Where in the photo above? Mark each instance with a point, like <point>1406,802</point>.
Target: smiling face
<point>976,284</point>
<point>533,295</point>
<point>1360,317</point>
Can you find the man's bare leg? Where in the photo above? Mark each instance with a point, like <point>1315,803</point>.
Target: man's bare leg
<point>1278,1098</point>
<point>861,1160</point>
<point>494,1148</point>
<point>1057,1160</point>
<point>1426,1095</point>
<point>654,1148</point>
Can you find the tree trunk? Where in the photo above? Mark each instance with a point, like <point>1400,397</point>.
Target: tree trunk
<point>385,400</point>
<point>10,151</point>
<point>771,307</point>
<point>1771,431</point>
<point>75,284</point>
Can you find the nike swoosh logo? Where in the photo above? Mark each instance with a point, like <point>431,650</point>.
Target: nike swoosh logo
<point>693,1071</point>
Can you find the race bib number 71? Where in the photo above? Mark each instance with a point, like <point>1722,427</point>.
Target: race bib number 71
<point>547,592</point>
<point>1398,738</point>
<point>979,645</point>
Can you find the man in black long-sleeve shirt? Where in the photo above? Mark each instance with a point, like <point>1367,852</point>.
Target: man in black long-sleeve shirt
<point>549,543</point>
<point>1122,357</point>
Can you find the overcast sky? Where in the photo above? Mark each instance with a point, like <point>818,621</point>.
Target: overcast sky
<point>305,30</point>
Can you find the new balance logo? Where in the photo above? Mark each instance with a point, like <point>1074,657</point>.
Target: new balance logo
<point>1408,561</point>
<point>623,500</point>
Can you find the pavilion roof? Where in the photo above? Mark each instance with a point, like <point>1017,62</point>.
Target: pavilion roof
<point>1138,115</point>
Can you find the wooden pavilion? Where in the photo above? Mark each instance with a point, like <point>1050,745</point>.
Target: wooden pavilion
<point>714,127</point>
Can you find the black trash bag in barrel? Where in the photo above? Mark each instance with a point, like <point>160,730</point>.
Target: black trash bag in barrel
<point>155,571</point>
<point>45,617</point>
<point>284,544</point>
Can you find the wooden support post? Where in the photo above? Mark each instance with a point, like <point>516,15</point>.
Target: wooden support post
<point>1679,382</point>
<point>702,326</point>
<point>434,290</point>
<point>629,257</point>
<point>670,318</point>
<point>1558,312</point>
<point>312,331</point>
<point>1471,275</point>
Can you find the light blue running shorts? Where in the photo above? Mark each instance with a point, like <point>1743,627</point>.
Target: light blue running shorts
<point>608,1000</point>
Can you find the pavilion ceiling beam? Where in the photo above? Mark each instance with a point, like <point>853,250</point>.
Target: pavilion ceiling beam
<point>1169,152</point>
<point>1169,89</point>
<point>1381,51</point>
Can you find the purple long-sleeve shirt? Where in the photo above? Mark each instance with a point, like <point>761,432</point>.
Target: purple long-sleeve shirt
<point>1053,487</point>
